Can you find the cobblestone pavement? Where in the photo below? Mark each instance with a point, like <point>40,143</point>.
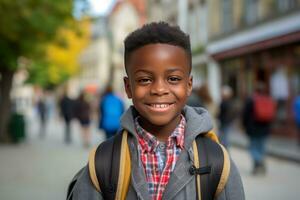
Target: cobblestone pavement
<point>41,168</point>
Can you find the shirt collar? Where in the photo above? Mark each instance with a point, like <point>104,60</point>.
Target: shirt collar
<point>149,142</point>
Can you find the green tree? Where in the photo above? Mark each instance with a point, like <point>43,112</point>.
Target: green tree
<point>26,26</point>
<point>61,55</point>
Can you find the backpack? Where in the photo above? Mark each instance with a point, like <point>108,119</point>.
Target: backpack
<point>264,108</point>
<point>109,167</point>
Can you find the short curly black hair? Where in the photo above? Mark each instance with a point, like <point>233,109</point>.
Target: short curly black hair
<point>157,32</point>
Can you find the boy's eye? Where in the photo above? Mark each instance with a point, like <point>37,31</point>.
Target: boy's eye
<point>174,79</point>
<point>144,81</point>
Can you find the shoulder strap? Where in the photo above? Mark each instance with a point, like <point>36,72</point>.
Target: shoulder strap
<point>109,167</point>
<point>212,166</point>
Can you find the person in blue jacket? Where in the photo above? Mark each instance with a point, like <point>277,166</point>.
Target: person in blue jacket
<point>111,109</point>
<point>297,115</point>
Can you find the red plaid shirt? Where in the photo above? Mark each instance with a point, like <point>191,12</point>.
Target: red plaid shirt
<point>159,158</point>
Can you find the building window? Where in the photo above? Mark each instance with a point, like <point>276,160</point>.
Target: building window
<point>251,11</point>
<point>227,18</point>
<point>286,5</point>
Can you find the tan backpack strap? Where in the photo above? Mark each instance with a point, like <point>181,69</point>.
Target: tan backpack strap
<point>226,164</point>
<point>125,169</point>
<point>92,169</point>
<point>197,165</point>
<point>215,155</point>
<point>225,171</point>
<point>212,136</point>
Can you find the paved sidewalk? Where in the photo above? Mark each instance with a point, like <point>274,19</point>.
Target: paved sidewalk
<point>282,148</point>
<point>280,183</point>
<point>42,168</point>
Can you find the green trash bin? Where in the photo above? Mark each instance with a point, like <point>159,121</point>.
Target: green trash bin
<point>17,127</point>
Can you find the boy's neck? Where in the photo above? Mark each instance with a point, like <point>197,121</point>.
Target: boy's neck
<point>162,133</point>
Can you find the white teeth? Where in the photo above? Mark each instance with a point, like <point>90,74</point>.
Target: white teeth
<point>159,105</point>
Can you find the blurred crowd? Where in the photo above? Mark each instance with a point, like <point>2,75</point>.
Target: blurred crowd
<point>255,117</point>
<point>106,109</point>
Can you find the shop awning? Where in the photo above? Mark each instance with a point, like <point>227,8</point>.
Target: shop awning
<point>276,33</point>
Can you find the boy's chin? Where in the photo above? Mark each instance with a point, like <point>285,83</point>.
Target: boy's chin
<point>160,121</point>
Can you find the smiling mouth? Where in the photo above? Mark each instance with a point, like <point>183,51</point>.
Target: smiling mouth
<point>159,107</point>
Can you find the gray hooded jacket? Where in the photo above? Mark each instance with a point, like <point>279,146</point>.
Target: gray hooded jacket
<point>181,184</point>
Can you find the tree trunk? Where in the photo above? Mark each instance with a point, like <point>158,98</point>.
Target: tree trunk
<point>6,80</point>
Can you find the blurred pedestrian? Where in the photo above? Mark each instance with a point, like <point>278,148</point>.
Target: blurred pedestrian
<point>209,104</point>
<point>42,112</point>
<point>226,115</point>
<point>83,112</point>
<point>66,105</point>
<point>258,114</point>
<point>111,108</point>
<point>297,115</point>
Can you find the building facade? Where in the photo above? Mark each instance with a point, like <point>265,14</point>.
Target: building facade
<point>253,41</point>
<point>94,61</point>
<point>239,43</point>
<point>126,16</point>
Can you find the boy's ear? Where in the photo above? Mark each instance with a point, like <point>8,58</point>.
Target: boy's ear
<point>127,87</point>
<point>190,86</point>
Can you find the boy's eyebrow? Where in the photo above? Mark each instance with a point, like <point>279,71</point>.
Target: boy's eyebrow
<point>173,69</point>
<point>141,70</point>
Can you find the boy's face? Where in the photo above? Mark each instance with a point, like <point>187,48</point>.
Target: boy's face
<point>159,83</point>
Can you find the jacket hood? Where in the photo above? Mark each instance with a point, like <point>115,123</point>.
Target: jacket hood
<point>198,121</point>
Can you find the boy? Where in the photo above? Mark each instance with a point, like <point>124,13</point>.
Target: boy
<point>160,127</point>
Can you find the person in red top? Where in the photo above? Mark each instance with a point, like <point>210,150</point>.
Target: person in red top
<point>257,116</point>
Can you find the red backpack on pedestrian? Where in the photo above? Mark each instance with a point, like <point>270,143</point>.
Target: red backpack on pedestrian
<point>264,108</point>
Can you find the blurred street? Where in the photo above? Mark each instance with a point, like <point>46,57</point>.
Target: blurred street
<point>70,56</point>
<point>42,168</point>
<point>281,181</point>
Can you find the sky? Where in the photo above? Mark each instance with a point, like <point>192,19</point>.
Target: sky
<point>97,7</point>
<point>101,7</point>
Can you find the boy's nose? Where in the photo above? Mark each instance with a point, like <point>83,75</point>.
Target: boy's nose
<point>159,88</point>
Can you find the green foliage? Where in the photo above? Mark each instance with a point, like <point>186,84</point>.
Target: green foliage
<point>61,55</point>
<point>26,25</point>
<point>198,50</point>
<point>39,74</point>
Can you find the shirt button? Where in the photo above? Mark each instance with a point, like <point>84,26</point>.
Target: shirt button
<point>162,146</point>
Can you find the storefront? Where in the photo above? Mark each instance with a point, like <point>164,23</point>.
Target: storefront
<point>276,62</point>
